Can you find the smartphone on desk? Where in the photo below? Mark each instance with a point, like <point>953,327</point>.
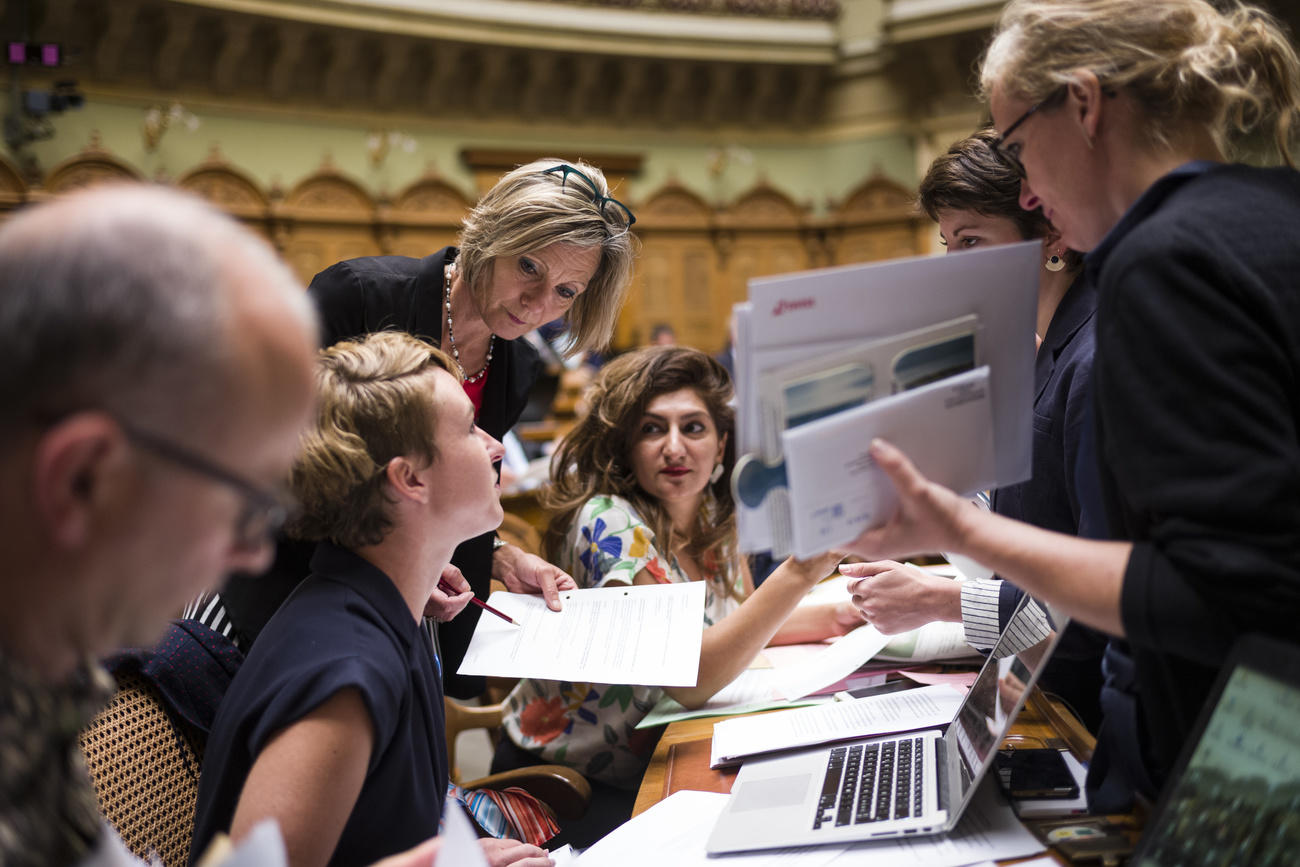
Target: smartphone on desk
<point>1036,773</point>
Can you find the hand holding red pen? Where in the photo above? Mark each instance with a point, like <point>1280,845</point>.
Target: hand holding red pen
<point>450,597</point>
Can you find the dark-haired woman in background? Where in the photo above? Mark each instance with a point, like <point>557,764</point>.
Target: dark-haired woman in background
<point>974,196</point>
<point>640,495</point>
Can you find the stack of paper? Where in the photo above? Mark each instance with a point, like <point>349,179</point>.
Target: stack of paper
<point>643,635</point>
<point>737,739</point>
<point>679,826</point>
<point>935,354</point>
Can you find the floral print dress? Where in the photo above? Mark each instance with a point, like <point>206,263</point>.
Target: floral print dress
<point>591,727</point>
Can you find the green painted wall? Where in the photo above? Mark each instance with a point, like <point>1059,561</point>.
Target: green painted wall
<point>285,148</point>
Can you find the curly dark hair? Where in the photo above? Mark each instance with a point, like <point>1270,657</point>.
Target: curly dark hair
<point>594,458</point>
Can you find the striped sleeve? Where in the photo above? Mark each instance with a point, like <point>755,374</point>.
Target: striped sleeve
<point>979,613</point>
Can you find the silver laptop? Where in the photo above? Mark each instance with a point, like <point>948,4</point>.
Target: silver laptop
<point>878,788</point>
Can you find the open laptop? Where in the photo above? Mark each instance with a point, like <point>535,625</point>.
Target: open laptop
<point>883,787</point>
<point>1234,796</point>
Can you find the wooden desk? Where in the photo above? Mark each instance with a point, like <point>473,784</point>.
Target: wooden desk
<point>681,760</point>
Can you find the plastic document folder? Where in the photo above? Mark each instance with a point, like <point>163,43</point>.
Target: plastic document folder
<point>935,354</point>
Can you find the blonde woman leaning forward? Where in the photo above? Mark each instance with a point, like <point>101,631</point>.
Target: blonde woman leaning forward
<point>640,495</point>
<point>1121,118</point>
<point>547,242</point>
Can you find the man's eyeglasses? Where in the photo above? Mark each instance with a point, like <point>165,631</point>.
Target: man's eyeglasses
<point>1010,153</point>
<point>262,512</point>
<point>621,211</point>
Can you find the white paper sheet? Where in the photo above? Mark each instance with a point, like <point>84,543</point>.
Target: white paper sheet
<point>460,846</point>
<point>833,663</point>
<point>674,831</point>
<point>923,707</point>
<point>836,490</point>
<point>752,691</point>
<point>785,685</point>
<point>644,635</point>
<point>988,831</point>
<point>679,827</point>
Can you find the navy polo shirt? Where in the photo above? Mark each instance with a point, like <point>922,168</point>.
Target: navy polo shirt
<point>346,626</point>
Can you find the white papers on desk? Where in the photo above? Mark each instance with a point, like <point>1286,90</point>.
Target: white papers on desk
<point>988,831</point>
<point>760,689</point>
<point>679,826</point>
<point>642,635</point>
<point>674,832</point>
<point>835,662</point>
<point>737,739</point>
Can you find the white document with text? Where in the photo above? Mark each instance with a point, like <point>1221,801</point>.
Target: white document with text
<point>642,635</point>
<point>924,707</point>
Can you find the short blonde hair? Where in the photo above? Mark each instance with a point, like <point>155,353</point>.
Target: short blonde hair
<point>375,403</point>
<point>1232,72</point>
<point>529,209</point>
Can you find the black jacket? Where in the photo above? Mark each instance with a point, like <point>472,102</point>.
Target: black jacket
<point>377,293</point>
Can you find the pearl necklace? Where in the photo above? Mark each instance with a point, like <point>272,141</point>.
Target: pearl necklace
<point>451,336</point>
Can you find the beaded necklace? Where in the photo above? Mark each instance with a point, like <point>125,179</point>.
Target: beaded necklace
<point>451,336</point>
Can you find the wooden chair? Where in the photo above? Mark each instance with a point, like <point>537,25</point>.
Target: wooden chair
<point>145,768</point>
<point>564,790</point>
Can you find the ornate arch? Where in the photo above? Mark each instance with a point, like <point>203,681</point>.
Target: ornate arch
<point>673,206</point>
<point>765,207</point>
<point>13,190</point>
<point>94,165</point>
<point>226,187</point>
<point>877,198</point>
<point>431,199</point>
<point>329,195</point>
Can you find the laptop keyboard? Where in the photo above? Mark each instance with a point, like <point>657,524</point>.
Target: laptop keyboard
<point>871,783</point>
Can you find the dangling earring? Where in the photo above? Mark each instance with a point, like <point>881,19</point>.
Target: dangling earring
<point>1054,263</point>
<point>716,474</point>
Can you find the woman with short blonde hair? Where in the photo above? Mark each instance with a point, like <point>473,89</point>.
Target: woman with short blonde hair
<point>333,726</point>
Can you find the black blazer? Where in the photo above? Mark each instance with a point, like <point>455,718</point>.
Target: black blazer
<point>377,293</point>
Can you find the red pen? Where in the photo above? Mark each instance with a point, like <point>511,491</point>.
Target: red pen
<point>452,591</point>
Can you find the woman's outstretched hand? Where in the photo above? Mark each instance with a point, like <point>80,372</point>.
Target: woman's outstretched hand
<point>929,518</point>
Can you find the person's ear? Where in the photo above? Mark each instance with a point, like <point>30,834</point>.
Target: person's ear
<point>75,465</point>
<point>406,480</point>
<point>722,448</point>
<point>1085,99</point>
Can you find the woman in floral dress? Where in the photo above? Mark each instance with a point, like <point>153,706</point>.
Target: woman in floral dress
<point>640,495</point>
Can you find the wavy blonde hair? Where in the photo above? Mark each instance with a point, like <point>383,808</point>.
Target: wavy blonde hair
<point>1233,72</point>
<point>528,210</point>
<point>375,403</point>
<point>595,458</point>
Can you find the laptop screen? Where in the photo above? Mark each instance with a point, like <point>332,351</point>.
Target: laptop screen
<point>1237,800</point>
<point>1000,690</point>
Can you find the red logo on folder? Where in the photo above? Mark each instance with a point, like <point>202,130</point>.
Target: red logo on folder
<point>786,306</point>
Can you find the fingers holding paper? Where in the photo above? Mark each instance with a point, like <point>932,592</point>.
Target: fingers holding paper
<point>929,518</point>
<point>444,605</point>
<point>512,853</point>
<point>523,572</point>
<point>897,597</point>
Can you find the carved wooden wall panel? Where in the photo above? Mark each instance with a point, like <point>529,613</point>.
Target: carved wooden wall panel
<point>695,260</point>
<point>92,166</point>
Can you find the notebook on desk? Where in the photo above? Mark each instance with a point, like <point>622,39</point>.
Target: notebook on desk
<point>878,788</point>
<point>1234,797</point>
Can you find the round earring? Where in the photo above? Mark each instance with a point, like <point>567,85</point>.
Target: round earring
<point>716,474</point>
<point>1054,263</point>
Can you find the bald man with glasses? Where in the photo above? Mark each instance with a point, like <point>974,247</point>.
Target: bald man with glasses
<point>156,364</point>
